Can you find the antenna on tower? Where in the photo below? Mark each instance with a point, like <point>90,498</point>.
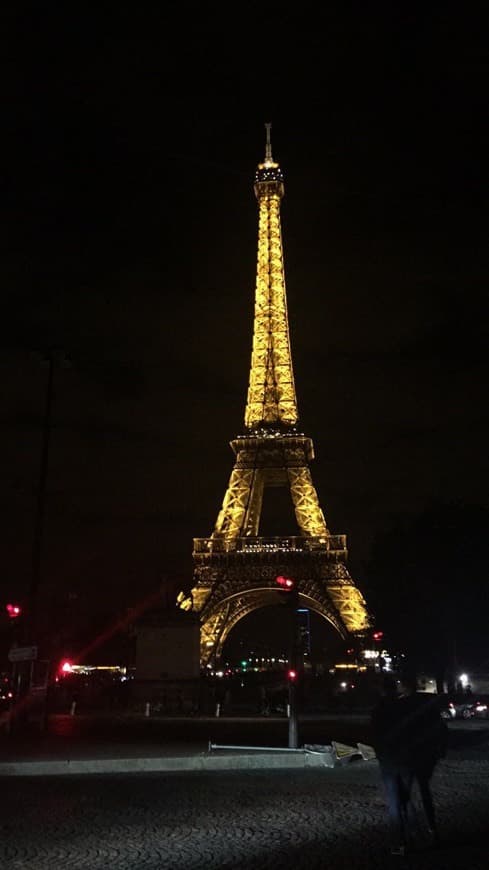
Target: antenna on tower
<point>268,147</point>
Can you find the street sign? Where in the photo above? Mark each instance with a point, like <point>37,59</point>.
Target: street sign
<point>22,653</point>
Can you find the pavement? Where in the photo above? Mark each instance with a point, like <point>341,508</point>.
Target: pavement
<point>268,819</point>
<point>69,747</point>
<point>112,745</point>
<point>178,803</point>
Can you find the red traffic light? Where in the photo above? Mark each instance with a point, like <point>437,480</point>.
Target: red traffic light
<point>66,667</point>
<point>292,675</point>
<point>378,635</point>
<point>13,610</point>
<point>285,582</point>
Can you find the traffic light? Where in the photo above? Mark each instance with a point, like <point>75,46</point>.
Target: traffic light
<point>292,675</point>
<point>13,610</point>
<point>378,635</point>
<point>287,590</point>
<point>285,583</point>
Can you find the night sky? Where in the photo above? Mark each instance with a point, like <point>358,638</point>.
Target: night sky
<point>129,241</point>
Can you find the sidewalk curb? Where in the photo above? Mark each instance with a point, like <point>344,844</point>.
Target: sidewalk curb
<point>205,761</point>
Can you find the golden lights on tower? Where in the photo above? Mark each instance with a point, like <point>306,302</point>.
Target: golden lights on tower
<point>235,569</point>
<point>271,392</point>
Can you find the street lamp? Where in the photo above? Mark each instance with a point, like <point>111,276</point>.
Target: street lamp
<point>54,357</point>
<point>290,595</point>
<point>24,656</point>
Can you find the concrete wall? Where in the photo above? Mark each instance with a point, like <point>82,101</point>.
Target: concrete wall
<point>168,652</point>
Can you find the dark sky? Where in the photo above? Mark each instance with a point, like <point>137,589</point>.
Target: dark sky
<point>129,237</point>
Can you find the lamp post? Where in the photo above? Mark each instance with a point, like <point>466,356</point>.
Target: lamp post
<point>23,659</point>
<point>52,358</point>
<point>41,499</point>
<point>294,674</point>
<point>290,596</point>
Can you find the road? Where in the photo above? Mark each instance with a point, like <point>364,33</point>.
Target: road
<point>79,735</point>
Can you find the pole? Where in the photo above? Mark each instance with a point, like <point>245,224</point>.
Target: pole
<point>293,725</point>
<point>41,503</point>
<point>293,664</point>
<point>24,670</point>
<point>52,357</point>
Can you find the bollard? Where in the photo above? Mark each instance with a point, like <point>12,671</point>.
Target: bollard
<point>147,709</point>
<point>218,709</point>
<point>73,708</point>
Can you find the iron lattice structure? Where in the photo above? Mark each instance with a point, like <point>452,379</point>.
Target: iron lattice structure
<point>235,569</point>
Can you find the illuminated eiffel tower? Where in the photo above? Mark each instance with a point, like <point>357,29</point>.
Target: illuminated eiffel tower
<point>235,570</point>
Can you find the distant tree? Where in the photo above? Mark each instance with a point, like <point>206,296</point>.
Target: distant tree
<point>428,586</point>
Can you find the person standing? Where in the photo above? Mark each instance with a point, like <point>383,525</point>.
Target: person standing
<point>426,737</point>
<point>409,737</point>
<point>384,727</point>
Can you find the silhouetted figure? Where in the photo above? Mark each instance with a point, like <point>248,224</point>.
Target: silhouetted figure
<point>384,723</point>
<point>427,741</point>
<point>409,737</point>
<point>265,700</point>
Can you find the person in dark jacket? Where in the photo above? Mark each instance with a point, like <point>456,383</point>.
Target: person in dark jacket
<point>394,775</point>
<point>409,737</point>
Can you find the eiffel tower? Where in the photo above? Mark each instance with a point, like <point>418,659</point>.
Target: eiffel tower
<point>235,570</point>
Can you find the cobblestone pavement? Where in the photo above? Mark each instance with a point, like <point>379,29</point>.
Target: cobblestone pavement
<point>303,819</point>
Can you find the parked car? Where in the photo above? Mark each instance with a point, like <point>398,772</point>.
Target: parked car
<point>5,695</point>
<point>465,709</point>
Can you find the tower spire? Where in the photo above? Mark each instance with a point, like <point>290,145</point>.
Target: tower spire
<point>268,145</point>
<point>271,392</point>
